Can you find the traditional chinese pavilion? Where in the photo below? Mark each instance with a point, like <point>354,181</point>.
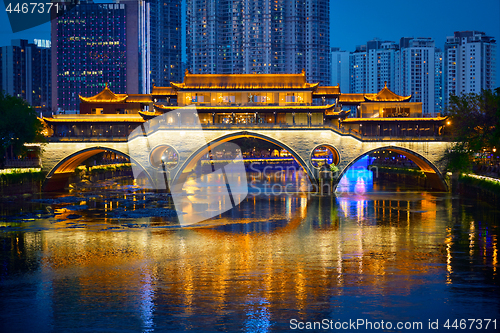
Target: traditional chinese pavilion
<point>248,99</point>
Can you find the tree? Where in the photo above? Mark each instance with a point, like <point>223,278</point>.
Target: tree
<point>475,120</point>
<point>18,125</point>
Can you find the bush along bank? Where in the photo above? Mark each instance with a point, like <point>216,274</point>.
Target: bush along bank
<point>19,181</point>
<point>480,188</point>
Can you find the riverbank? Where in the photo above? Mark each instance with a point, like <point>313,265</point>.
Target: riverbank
<point>481,188</point>
<point>26,182</point>
<point>20,181</point>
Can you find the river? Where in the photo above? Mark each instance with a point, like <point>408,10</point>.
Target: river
<point>374,255</point>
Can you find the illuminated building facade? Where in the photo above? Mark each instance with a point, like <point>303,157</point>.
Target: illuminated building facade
<point>438,82</point>
<point>247,100</point>
<point>340,69</point>
<point>94,44</point>
<point>163,35</point>
<point>358,70</point>
<point>469,63</point>
<point>415,72</point>
<point>381,65</point>
<point>259,37</point>
<point>25,71</point>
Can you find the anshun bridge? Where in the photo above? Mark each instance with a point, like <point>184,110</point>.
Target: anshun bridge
<point>280,108</point>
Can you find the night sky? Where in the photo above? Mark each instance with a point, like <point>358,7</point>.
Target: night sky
<point>353,22</point>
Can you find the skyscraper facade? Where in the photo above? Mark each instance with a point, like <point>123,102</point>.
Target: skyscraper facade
<point>469,63</point>
<point>438,81</point>
<point>415,72</point>
<point>165,44</point>
<point>358,70</point>
<point>373,66</point>
<point>92,45</point>
<point>381,65</point>
<point>25,71</point>
<point>259,36</point>
<point>340,69</point>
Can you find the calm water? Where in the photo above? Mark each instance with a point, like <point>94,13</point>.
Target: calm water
<point>373,252</point>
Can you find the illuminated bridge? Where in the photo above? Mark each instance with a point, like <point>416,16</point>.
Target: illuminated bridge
<point>61,156</point>
<point>283,109</point>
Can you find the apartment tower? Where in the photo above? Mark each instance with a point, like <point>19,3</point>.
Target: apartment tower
<point>259,36</point>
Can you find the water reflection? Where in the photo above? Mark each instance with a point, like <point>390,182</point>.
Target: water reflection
<point>379,255</point>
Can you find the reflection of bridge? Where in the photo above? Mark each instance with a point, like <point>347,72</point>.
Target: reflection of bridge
<point>60,158</point>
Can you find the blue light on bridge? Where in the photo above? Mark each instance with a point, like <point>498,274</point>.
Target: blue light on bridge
<point>358,178</point>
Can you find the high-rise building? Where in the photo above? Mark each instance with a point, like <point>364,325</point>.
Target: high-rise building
<point>160,42</point>
<point>92,45</point>
<point>438,82</point>
<point>373,66</point>
<point>358,70</point>
<point>381,65</point>
<point>415,72</point>
<point>165,43</point>
<point>25,71</point>
<point>469,63</point>
<point>340,69</point>
<point>259,36</point>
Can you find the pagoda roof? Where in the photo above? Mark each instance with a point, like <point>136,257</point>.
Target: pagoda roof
<point>332,114</point>
<point>244,82</point>
<point>146,115</point>
<point>139,98</point>
<point>386,95</point>
<point>352,98</point>
<point>327,91</point>
<point>163,91</point>
<point>105,96</point>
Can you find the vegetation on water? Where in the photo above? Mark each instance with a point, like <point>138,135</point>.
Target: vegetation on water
<point>474,127</point>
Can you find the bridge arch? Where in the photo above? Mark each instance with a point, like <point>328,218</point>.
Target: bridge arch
<point>191,161</point>
<point>58,176</point>
<point>431,170</point>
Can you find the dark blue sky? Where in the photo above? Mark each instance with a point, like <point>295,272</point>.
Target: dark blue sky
<point>353,22</point>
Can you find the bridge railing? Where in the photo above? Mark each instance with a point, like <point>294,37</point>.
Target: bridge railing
<point>22,163</point>
<point>261,126</point>
<point>87,139</point>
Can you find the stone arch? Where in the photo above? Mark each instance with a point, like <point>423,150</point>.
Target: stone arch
<point>58,176</point>
<point>335,152</point>
<point>423,163</point>
<point>195,156</point>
